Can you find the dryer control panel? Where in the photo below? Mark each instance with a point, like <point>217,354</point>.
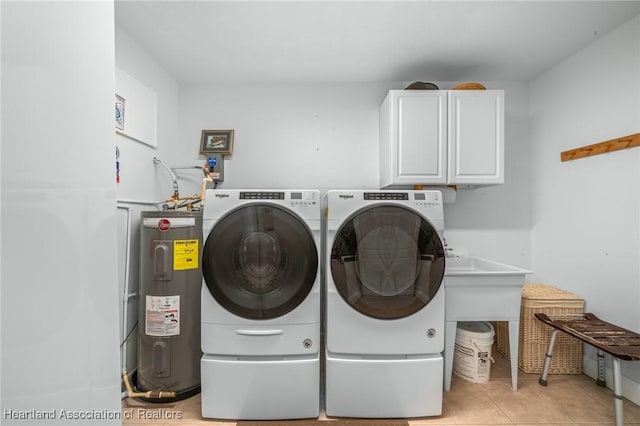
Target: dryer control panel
<point>386,196</point>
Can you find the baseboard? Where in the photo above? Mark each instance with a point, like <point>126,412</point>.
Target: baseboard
<point>630,388</point>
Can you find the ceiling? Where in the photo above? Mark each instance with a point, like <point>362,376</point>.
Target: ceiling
<point>365,41</point>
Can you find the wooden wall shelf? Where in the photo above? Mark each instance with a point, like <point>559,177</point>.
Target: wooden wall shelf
<point>602,147</point>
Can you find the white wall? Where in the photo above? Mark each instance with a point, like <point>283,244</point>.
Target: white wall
<point>316,136</point>
<point>586,212</point>
<point>142,183</point>
<point>59,301</point>
<point>140,178</point>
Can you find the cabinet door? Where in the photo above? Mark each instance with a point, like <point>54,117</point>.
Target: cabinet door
<point>413,138</point>
<point>476,137</point>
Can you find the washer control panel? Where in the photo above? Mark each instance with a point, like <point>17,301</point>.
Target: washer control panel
<point>428,198</point>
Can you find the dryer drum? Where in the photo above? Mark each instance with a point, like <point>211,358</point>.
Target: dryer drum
<point>260,261</point>
<point>387,262</point>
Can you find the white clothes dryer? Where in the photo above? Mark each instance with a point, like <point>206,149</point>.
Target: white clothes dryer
<point>385,263</point>
<point>261,304</point>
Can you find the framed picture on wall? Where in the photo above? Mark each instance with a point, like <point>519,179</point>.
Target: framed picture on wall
<point>216,142</point>
<point>120,101</point>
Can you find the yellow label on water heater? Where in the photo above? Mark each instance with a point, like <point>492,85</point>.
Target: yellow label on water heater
<point>185,254</point>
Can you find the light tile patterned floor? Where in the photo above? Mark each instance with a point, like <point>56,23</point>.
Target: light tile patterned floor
<point>567,400</point>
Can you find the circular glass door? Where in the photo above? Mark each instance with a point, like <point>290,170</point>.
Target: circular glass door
<point>260,261</point>
<point>387,262</point>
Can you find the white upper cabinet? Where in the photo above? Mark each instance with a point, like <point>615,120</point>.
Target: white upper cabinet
<point>413,138</point>
<point>439,137</point>
<point>476,137</point>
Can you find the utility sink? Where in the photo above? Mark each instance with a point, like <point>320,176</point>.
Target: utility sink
<point>475,284</point>
<point>471,265</point>
<point>478,289</point>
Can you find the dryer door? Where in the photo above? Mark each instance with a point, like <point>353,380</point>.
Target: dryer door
<point>387,262</point>
<point>260,261</point>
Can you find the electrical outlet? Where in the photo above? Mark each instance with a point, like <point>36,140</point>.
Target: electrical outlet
<point>215,163</point>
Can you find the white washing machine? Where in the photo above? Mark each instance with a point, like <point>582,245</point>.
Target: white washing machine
<point>385,264</point>
<point>261,304</point>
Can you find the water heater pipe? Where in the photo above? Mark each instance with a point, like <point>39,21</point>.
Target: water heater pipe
<point>174,178</point>
<point>188,202</point>
<point>182,202</point>
<point>207,178</point>
<point>148,394</point>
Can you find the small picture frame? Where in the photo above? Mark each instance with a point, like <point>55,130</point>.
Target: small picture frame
<point>120,101</point>
<point>216,142</point>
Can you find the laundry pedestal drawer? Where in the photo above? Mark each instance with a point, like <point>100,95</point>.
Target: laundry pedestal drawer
<point>383,387</point>
<point>259,388</point>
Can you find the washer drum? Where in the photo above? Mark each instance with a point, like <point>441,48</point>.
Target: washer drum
<point>169,306</point>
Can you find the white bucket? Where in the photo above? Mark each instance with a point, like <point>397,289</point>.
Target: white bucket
<point>472,359</point>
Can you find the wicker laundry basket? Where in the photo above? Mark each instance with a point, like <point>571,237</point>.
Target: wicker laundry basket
<point>534,335</point>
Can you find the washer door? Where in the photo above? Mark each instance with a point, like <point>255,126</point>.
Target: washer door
<point>260,261</point>
<point>387,262</point>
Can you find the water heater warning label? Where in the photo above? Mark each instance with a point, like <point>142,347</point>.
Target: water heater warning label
<point>162,316</point>
<point>185,254</point>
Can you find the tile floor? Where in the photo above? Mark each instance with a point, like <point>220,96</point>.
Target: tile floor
<point>567,400</point>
